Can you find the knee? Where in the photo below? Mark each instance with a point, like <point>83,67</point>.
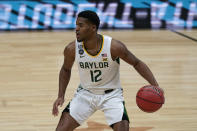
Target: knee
<point>121,126</point>
<point>66,123</point>
<point>59,128</point>
<point>63,127</point>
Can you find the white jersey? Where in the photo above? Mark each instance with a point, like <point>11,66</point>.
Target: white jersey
<point>99,71</point>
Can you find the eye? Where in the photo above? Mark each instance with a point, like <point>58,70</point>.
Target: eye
<point>80,25</point>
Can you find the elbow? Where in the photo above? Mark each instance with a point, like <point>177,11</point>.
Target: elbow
<point>65,70</point>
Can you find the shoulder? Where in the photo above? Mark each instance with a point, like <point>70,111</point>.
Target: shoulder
<point>69,51</point>
<point>118,49</point>
<point>69,55</point>
<point>70,48</point>
<point>117,45</point>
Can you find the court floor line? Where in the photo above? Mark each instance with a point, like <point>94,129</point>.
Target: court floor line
<point>181,34</point>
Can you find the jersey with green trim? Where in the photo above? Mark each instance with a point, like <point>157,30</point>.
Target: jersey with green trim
<point>99,71</point>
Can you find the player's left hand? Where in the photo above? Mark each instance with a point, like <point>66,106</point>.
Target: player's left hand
<point>162,91</point>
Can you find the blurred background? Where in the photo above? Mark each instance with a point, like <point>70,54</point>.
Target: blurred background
<point>114,14</point>
<point>34,33</point>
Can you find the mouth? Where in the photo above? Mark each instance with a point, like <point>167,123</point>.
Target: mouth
<point>77,35</point>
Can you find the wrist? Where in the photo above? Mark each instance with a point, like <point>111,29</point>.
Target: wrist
<point>60,97</point>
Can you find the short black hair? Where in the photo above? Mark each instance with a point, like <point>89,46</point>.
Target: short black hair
<point>91,16</point>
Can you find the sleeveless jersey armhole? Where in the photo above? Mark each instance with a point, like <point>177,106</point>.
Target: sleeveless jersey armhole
<point>108,42</point>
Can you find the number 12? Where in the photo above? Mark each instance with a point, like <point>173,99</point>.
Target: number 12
<point>95,75</point>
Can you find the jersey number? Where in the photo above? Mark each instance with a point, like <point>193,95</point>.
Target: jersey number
<point>95,75</point>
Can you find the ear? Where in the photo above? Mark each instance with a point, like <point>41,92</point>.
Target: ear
<point>94,27</point>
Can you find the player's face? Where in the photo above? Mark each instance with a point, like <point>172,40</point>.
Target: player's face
<point>84,29</point>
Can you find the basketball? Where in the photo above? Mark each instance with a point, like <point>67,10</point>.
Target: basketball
<point>150,98</point>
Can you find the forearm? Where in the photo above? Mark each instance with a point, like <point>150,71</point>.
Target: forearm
<point>118,49</point>
<point>145,72</point>
<point>64,78</point>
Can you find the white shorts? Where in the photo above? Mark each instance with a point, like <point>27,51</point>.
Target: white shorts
<point>85,103</point>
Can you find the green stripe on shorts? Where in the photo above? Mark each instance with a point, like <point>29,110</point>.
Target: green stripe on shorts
<point>125,115</point>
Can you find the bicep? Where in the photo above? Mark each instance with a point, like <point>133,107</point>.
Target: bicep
<point>69,57</point>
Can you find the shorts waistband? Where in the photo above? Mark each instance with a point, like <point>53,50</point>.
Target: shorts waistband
<point>97,92</point>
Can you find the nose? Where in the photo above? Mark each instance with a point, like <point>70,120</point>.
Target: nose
<point>77,28</point>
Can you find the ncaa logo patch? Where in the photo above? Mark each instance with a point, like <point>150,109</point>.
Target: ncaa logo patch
<point>81,51</point>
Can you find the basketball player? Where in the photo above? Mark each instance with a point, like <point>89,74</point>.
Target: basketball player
<point>97,57</point>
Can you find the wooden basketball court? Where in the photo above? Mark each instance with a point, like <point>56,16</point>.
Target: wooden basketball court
<point>30,64</point>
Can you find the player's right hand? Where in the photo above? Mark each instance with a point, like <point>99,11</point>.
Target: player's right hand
<point>58,102</point>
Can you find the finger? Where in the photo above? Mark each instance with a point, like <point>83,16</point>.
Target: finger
<point>161,89</point>
<point>55,113</point>
<point>55,110</point>
<point>54,106</point>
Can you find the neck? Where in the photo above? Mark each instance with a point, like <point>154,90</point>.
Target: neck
<point>92,42</point>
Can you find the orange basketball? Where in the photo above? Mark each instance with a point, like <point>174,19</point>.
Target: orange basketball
<point>150,98</point>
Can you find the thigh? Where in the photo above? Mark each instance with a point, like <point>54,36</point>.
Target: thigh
<point>66,123</point>
<point>81,107</point>
<point>114,108</point>
<point>121,126</point>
